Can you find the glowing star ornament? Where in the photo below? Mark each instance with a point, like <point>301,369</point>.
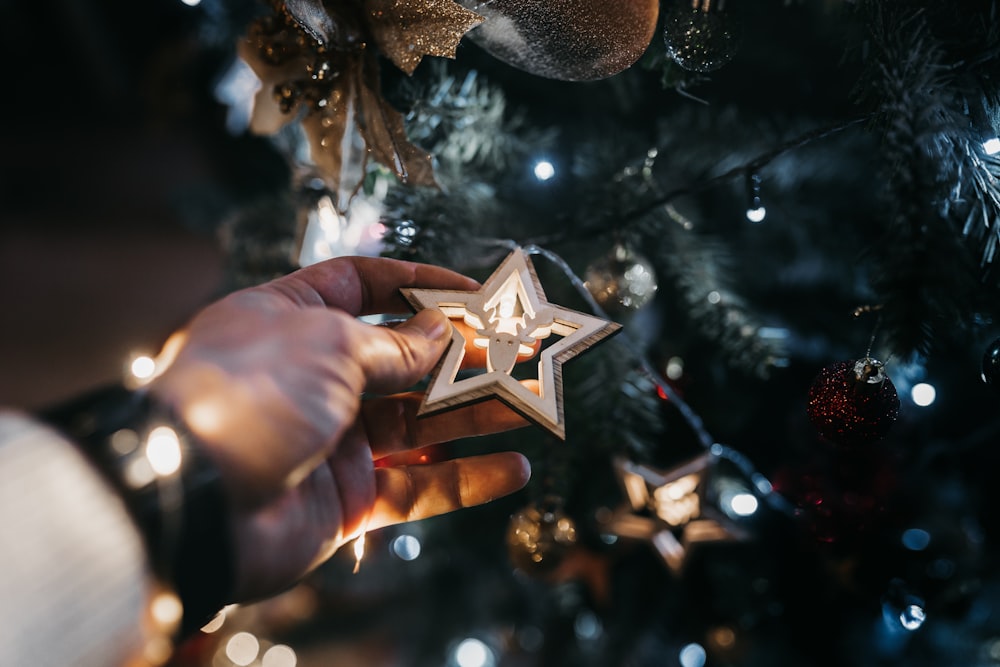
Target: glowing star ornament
<point>671,509</point>
<point>510,316</point>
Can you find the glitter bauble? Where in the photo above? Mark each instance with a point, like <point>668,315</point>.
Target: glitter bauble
<point>853,402</point>
<point>539,536</point>
<point>700,39</point>
<point>571,40</point>
<point>621,281</point>
<point>991,365</point>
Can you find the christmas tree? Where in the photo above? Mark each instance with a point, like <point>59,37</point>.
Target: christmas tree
<point>792,209</point>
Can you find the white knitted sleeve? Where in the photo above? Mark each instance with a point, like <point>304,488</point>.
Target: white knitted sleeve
<point>73,573</point>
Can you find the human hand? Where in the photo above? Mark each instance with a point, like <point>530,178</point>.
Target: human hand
<point>270,380</point>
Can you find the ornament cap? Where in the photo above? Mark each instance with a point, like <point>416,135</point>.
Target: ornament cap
<point>869,371</point>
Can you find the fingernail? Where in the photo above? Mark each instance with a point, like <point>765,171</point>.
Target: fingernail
<point>431,323</point>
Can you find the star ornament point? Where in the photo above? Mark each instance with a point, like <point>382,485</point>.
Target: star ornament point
<point>510,316</point>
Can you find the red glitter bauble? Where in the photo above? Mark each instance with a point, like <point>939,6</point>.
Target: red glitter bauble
<point>853,402</point>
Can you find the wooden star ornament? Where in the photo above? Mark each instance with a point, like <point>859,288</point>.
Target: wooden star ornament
<point>510,316</point>
<point>671,509</point>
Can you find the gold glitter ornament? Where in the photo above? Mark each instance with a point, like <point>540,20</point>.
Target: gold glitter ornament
<point>407,30</point>
<point>539,537</point>
<point>571,40</point>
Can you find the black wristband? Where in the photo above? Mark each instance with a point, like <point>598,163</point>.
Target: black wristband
<point>174,493</point>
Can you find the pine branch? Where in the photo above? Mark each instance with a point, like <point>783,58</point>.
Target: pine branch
<point>696,265</point>
<point>925,276</point>
<point>465,123</point>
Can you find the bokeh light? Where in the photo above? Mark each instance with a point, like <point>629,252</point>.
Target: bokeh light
<point>923,394</point>
<point>743,504</point>
<point>472,652</point>
<point>692,655</point>
<point>279,655</point>
<point>142,367</point>
<point>912,617</point>
<point>163,450</point>
<point>406,547</point>
<point>242,648</point>
<point>544,170</point>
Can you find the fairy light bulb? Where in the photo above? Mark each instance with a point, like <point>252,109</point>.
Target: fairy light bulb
<point>142,367</point>
<point>923,394</point>
<point>163,451</point>
<point>755,209</point>
<point>544,170</point>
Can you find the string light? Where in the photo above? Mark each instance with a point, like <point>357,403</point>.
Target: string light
<point>279,655</point>
<point>992,146</point>
<point>472,652</point>
<point>163,451</point>
<point>693,655</point>
<point>142,367</point>
<point>157,650</point>
<point>544,170</point>
<point>675,368</point>
<point>124,441</point>
<point>912,617</point>
<point>587,625</point>
<point>755,209</point>
<point>916,539</point>
<point>743,504</point>
<point>138,473</point>
<point>407,547</point>
<point>166,609</point>
<point>242,648</point>
<point>923,394</point>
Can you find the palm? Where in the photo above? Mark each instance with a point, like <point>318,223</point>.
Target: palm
<point>271,379</point>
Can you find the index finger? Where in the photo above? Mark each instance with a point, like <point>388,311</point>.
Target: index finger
<point>367,285</point>
<point>411,493</point>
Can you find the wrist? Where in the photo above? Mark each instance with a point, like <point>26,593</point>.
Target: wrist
<point>170,486</point>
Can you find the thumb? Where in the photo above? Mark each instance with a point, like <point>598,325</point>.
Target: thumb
<point>397,358</point>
